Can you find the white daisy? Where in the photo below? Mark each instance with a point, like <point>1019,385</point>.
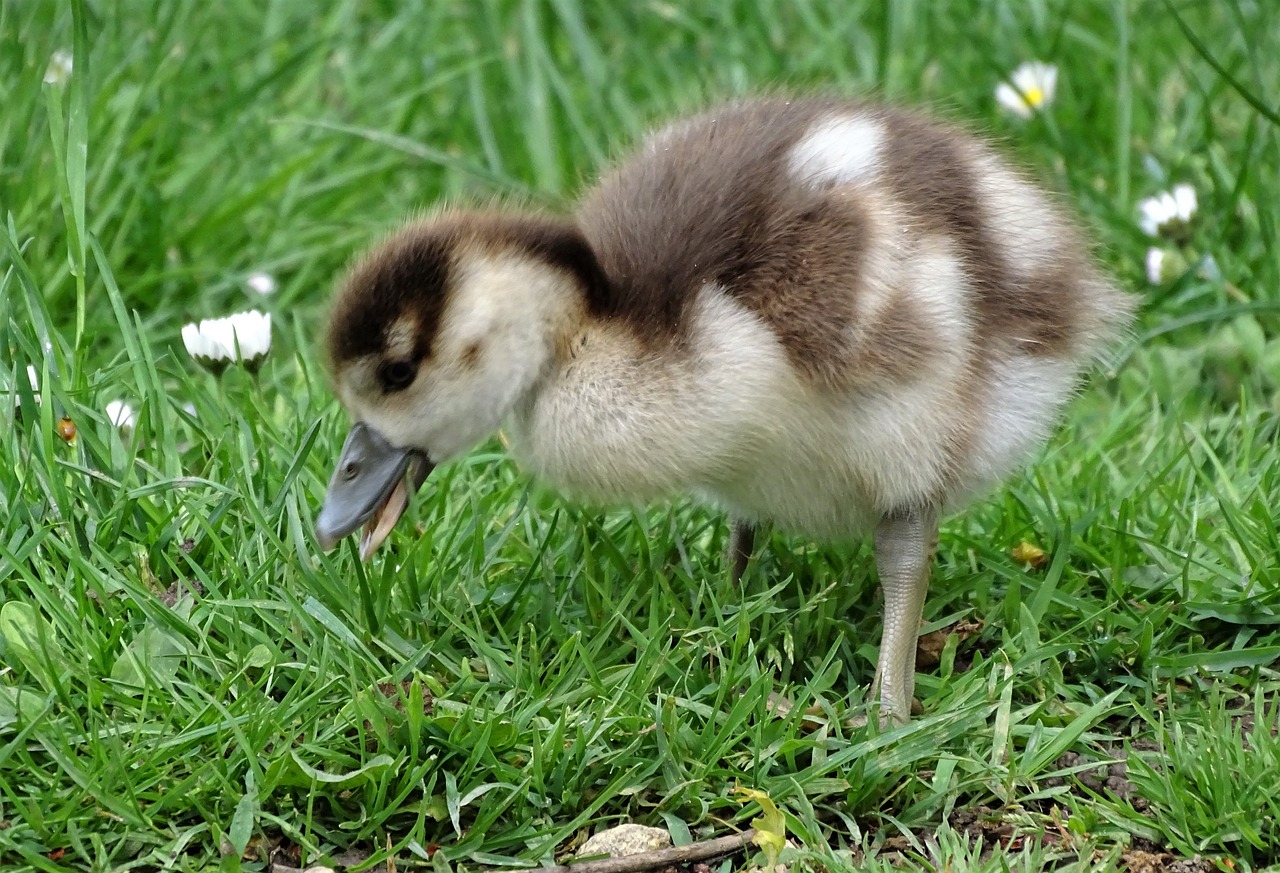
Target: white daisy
<point>1030,89</point>
<point>1169,210</point>
<point>122,415</point>
<point>59,70</point>
<point>262,283</point>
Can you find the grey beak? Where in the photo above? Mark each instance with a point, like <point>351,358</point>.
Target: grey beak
<point>368,471</point>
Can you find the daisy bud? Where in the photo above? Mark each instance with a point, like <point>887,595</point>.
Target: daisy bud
<point>58,73</point>
<point>244,337</point>
<point>261,283</point>
<point>121,415</point>
<point>1168,213</point>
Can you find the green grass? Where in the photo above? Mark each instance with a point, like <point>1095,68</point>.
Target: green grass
<point>186,679</point>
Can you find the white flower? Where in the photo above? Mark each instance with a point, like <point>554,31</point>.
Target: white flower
<point>244,337</point>
<point>121,414</point>
<point>1030,88</point>
<point>263,283</point>
<point>33,377</point>
<point>59,70</point>
<point>1164,265</point>
<point>1167,209</point>
<point>1155,265</point>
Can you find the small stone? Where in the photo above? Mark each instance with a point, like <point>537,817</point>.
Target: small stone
<point>627,839</point>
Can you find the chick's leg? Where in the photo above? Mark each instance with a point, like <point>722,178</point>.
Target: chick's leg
<point>742,542</point>
<point>905,544</point>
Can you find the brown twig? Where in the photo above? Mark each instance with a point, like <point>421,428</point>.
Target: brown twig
<point>700,851</point>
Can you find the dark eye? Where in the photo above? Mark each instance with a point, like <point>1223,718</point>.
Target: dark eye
<point>396,375</point>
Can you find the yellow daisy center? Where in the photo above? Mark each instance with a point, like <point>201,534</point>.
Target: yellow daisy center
<point>1034,96</point>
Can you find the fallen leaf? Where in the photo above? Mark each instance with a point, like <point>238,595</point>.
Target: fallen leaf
<point>771,827</point>
<point>1029,555</point>
<point>408,690</point>
<point>929,647</point>
<point>781,707</point>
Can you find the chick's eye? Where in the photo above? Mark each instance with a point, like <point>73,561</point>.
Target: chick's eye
<point>396,375</point>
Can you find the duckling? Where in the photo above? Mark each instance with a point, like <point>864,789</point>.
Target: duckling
<point>836,317</point>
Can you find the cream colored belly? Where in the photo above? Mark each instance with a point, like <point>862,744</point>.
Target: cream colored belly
<point>824,466</point>
<point>735,424</point>
<point>836,468</point>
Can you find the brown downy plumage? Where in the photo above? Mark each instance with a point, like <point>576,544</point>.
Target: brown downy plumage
<point>837,317</point>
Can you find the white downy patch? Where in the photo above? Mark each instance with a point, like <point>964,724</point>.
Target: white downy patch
<point>1026,233</point>
<point>1024,396</point>
<point>838,151</point>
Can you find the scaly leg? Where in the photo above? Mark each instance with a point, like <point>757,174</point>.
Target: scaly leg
<point>905,544</point>
<point>742,542</point>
